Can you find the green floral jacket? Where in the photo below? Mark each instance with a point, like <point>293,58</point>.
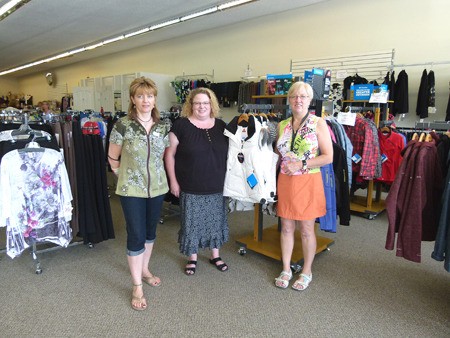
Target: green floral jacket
<point>141,171</point>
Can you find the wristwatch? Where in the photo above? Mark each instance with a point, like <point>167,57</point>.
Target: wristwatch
<point>305,165</point>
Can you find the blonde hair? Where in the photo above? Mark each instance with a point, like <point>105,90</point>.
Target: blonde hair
<point>296,86</point>
<point>139,86</point>
<point>187,107</point>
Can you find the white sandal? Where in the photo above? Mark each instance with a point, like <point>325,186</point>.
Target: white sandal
<point>300,286</point>
<point>284,282</point>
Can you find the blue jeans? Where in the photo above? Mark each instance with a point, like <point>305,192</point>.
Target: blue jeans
<point>142,216</point>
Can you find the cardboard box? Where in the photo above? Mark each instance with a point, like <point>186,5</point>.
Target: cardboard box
<point>362,91</point>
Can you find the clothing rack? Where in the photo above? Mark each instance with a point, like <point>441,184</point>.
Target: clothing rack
<point>267,241</point>
<point>195,76</point>
<point>25,127</point>
<point>436,125</point>
<point>422,64</point>
<point>371,65</point>
<point>367,205</point>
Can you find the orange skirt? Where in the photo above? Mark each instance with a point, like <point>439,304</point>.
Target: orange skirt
<point>301,197</point>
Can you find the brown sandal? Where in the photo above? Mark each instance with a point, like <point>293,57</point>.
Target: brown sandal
<point>152,280</point>
<point>138,303</point>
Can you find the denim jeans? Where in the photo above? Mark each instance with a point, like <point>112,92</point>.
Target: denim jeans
<point>141,216</point>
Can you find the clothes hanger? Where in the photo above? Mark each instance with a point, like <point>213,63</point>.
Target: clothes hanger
<point>415,137</point>
<point>422,137</point>
<point>242,118</point>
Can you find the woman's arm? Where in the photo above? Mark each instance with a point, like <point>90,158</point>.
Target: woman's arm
<point>169,159</point>
<point>325,146</point>
<point>114,152</point>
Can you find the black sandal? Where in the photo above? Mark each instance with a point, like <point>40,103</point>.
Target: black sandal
<point>190,271</point>
<point>221,267</point>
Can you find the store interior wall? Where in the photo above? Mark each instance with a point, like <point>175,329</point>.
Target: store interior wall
<point>417,30</point>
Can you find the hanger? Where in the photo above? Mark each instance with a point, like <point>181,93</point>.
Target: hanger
<point>415,137</point>
<point>428,138</point>
<point>32,146</point>
<point>422,137</point>
<point>242,118</point>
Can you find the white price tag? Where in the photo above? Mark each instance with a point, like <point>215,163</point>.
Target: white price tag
<point>347,119</point>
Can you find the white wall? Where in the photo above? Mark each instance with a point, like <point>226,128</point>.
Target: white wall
<point>418,31</point>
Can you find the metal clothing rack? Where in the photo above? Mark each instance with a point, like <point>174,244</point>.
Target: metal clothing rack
<point>266,241</point>
<point>195,76</point>
<point>371,65</point>
<point>421,64</point>
<point>34,251</point>
<point>436,125</point>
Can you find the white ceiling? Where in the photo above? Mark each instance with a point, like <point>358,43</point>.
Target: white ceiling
<point>44,28</point>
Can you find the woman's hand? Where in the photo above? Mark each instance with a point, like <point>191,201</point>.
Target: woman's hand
<point>175,189</point>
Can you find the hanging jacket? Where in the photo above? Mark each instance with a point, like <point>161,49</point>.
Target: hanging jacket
<point>422,96</point>
<point>251,162</point>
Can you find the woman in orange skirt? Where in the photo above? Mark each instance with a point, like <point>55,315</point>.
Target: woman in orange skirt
<point>304,144</point>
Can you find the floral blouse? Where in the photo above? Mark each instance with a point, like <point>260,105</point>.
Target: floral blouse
<point>35,199</point>
<point>303,145</point>
<point>142,171</point>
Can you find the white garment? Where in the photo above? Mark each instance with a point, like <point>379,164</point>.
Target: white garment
<point>259,160</point>
<point>35,199</point>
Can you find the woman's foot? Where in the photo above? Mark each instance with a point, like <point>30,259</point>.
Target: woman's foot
<point>151,280</point>
<point>219,263</point>
<point>303,282</point>
<point>282,281</point>
<point>138,302</point>
<point>190,267</point>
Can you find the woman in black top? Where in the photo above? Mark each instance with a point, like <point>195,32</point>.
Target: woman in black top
<point>196,164</point>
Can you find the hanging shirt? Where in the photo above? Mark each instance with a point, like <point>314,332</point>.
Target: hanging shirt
<point>35,199</point>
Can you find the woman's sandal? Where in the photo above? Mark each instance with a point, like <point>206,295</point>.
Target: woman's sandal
<point>282,283</point>
<point>221,267</point>
<point>152,280</point>
<point>190,271</point>
<point>138,303</point>
<point>299,285</point>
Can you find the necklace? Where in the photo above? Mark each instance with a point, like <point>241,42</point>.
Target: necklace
<point>137,116</point>
<point>294,132</point>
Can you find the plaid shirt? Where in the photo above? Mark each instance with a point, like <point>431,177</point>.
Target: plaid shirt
<point>365,144</point>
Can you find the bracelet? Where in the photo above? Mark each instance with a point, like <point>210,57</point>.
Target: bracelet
<point>114,159</point>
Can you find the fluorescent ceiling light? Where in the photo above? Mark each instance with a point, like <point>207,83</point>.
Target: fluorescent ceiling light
<point>141,31</point>
<point>76,51</point>
<point>165,24</point>
<point>232,4</point>
<point>11,6</point>
<point>94,46</point>
<point>117,38</point>
<point>197,14</point>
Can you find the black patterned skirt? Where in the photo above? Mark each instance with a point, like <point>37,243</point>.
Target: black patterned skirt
<point>204,222</point>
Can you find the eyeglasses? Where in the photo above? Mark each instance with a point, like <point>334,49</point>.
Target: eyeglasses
<point>301,97</point>
<point>198,104</point>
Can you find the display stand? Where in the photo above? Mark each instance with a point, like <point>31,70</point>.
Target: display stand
<point>367,205</point>
<point>267,241</point>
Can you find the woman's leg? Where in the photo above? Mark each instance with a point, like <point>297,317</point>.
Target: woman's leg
<point>309,244</point>
<point>287,242</point>
<point>134,213</point>
<point>153,213</point>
